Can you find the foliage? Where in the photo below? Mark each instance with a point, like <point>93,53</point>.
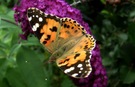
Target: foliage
<point>112,25</point>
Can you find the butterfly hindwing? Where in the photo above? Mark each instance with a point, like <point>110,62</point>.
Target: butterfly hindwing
<point>71,47</point>
<point>76,65</point>
<point>76,61</point>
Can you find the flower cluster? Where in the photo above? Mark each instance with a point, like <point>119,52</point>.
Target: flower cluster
<point>60,8</point>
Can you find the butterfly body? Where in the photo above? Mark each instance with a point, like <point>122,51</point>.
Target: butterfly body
<point>71,47</point>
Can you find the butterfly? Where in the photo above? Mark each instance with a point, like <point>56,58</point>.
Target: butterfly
<point>67,41</point>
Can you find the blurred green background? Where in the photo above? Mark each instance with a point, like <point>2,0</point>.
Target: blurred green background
<point>112,23</point>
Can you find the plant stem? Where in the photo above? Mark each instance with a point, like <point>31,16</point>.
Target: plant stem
<point>9,21</point>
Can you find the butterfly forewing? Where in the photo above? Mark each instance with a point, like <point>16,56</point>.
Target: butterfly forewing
<point>69,29</point>
<point>70,33</point>
<point>45,27</point>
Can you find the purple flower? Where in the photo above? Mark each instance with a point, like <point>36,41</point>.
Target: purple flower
<point>98,77</point>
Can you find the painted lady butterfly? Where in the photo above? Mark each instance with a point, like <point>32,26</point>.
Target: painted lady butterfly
<point>66,40</point>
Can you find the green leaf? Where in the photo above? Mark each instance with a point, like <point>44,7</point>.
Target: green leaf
<point>131,32</point>
<point>14,50</point>
<point>31,68</point>
<point>3,9</point>
<point>105,12</point>
<point>103,1</point>
<point>9,37</point>
<point>67,83</point>
<point>129,77</point>
<point>3,50</point>
<point>31,41</point>
<point>123,36</point>
<point>4,65</point>
<point>6,37</point>
<point>7,20</point>
<point>2,54</point>
<point>15,79</point>
<point>132,14</point>
<point>108,61</point>
<point>11,14</point>
<point>3,68</point>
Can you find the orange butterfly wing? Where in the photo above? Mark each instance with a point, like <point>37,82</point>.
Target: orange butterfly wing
<point>66,39</point>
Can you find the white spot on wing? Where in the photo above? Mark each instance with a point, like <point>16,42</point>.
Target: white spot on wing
<point>88,65</point>
<point>37,25</point>
<point>40,19</point>
<point>85,71</point>
<point>75,74</point>
<point>88,72</point>
<point>87,61</point>
<point>90,69</point>
<point>79,65</point>
<point>69,69</point>
<point>37,16</point>
<point>80,71</point>
<point>30,18</point>
<point>34,28</point>
<point>81,68</point>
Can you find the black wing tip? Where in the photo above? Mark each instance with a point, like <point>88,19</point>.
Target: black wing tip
<point>32,9</point>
